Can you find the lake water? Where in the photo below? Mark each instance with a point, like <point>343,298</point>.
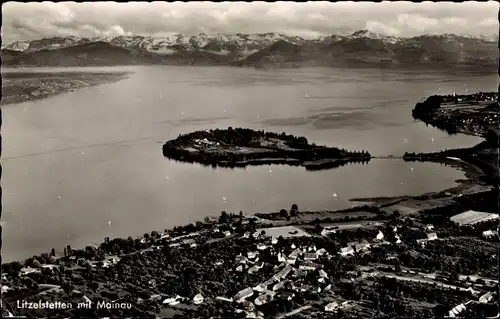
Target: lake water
<point>88,164</point>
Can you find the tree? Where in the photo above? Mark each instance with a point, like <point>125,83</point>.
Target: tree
<point>318,228</point>
<point>224,217</point>
<point>283,213</point>
<point>397,268</point>
<point>67,287</point>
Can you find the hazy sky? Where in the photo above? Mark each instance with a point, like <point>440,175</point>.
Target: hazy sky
<point>27,21</point>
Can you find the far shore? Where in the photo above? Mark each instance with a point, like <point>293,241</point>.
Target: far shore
<point>20,87</point>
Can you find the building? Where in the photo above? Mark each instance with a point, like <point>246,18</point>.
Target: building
<point>198,299</point>
<point>347,251</point>
<point>471,217</point>
<point>457,310</point>
<point>309,266</point>
<point>310,256</point>
<point>422,241</point>
<point>333,306</point>
<point>432,236</point>
<point>489,233</point>
<point>243,294</point>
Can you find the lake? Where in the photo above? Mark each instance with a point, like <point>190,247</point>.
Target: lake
<point>88,164</point>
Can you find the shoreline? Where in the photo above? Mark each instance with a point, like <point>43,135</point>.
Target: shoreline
<point>19,87</point>
<point>196,259</point>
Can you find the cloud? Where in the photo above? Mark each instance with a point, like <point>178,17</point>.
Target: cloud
<point>27,21</point>
<point>417,22</point>
<point>379,27</point>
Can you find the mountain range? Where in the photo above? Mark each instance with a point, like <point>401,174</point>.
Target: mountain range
<point>258,50</point>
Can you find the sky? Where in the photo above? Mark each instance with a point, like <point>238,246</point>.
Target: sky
<point>29,21</point>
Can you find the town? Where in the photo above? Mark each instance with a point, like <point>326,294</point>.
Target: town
<point>423,256</point>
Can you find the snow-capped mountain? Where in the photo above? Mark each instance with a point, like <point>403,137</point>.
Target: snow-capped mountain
<point>18,46</point>
<point>46,44</point>
<point>361,46</point>
<point>237,43</point>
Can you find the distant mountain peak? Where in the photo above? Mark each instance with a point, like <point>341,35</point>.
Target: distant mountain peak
<point>363,46</point>
<point>365,33</point>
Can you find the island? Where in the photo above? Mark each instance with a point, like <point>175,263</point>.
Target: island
<point>431,255</point>
<point>240,147</point>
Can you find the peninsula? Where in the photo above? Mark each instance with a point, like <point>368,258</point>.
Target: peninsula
<point>240,147</point>
<point>21,86</point>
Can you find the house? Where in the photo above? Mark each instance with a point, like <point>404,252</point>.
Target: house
<point>274,240</point>
<point>309,266</point>
<point>243,294</point>
<point>29,270</point>
<point>227,233</point>
<point>310,256</point>
<point>281,258</point>
<point>252,255</point>
<point>380,236</point>
<point>332,306</point>
<point>198,299</point>
<point>398,239</point>
<point>321,252</point>
<point>422,241</point>
<point>489,233</point>
<point>255,268</point>
<point>305,288</point>
<point>486,297</point>
<point>360,247</point>
<point>457,310</point>
<point>261,247</point>
<point>429,227</point>
<point>323,273</point>
<point>291,261</point>
<point>284,272</point>
<point>241,259</point>
<point>346,251</point>
<point>260,287</point>
<point>295,254</point>
<point>225,299</point>
<point>263,299</point>
<point>171,301</point>
<point>327,231</point>
<point>279,285</point>
<point>432,236</point>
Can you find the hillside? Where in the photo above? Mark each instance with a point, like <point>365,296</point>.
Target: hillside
<point>258,50</point>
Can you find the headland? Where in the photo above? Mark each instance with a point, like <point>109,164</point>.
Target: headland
<point>21,86</point>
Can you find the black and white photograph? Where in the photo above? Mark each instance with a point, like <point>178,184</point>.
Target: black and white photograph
<point>250,160</point>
